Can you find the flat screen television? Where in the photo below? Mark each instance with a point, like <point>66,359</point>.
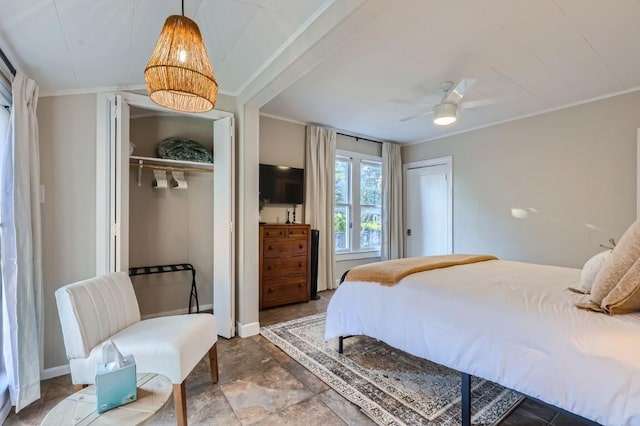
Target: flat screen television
<point>281,185</point>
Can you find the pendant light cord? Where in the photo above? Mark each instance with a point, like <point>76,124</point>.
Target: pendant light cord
<point>182,7</point>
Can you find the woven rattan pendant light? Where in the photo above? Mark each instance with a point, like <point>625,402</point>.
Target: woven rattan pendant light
<point>178,74</point>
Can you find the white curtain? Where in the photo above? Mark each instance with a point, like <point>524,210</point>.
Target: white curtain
<point>20,245</point>
<point>319,197</point>
<point>392,213</point>
<point>5,398</point>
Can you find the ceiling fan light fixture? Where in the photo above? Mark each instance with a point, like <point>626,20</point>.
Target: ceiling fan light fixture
<point>445,114</point>
<point>178,75</point>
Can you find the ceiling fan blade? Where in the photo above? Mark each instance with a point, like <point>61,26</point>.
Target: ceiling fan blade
<point>459,91</point>
<point>479,103</point>
<point>406,102</point>
<point>411,117</point>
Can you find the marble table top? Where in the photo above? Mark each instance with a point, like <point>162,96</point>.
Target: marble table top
<point>79,409</point>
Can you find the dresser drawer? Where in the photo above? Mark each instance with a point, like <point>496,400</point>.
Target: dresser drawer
<point>275,232</point>
<point>286,248</point>
<point>295,232</point>
<point>278,266</point>
<point>280,291</point>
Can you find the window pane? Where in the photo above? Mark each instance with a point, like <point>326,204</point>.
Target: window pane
<point>342,181</point>
<point>341,231</point>
<point>370,228</point>
<point>370,183</point>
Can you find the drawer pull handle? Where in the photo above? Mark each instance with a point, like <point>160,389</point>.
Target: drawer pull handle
<point>270,267</point>
<point>270,290</point>
<point>299,285</point>
<point>299,264</point>
<point>300,246</point>
<point>270,248</point>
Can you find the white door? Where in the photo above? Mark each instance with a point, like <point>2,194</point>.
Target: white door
<point>112,185</point>
<point>223,247</point>
<point>112,200</point>
<point>429,213</point>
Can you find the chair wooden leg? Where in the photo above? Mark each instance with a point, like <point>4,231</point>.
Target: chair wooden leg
<point>180,403</point>
<point>213,362</point>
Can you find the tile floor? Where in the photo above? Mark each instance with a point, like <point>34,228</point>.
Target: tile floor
<point>259,384</point>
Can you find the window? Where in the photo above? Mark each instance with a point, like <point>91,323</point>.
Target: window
<point>358,203</point>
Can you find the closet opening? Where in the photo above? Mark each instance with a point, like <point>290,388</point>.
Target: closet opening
<point>165,205</point>
<point>170,211</point>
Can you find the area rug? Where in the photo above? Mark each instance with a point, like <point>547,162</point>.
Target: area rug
<point>390,386</point>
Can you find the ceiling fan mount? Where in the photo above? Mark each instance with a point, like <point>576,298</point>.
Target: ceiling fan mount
<point>446,86</point>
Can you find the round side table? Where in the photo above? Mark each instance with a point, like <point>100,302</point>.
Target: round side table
<point>154,391</point>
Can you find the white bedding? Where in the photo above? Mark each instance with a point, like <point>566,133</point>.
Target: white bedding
<point>509,322</point>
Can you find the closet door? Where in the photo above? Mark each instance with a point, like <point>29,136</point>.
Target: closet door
<point>223,246</point>
<point>112,179</point>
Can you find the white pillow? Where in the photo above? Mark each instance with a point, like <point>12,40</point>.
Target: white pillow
<point>591,268</point>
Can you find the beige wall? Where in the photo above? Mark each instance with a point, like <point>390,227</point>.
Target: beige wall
<point>282,143</point>
<point>349,143</point>
<point>67,129</point>
<point>546,189</point>
<point>168,226</point>
<point>147,132</point>
<point>224,103</point>
<point>247,303</point>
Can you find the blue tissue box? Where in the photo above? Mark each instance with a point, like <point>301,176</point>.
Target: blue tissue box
<point>116,387</point>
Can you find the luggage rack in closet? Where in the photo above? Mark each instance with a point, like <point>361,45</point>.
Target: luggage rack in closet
<point>159,269</point>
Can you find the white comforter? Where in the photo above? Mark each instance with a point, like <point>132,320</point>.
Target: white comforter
<point>509,322</point>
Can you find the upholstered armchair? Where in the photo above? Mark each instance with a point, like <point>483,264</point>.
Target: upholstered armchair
<point>102,308</point>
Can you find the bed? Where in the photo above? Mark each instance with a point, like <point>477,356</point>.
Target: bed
<point>509,322</point>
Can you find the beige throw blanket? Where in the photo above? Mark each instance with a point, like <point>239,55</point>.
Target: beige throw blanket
<point>390,272</point>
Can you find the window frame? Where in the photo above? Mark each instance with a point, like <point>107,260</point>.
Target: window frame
<point>348,205</point>
<point>354,205</point>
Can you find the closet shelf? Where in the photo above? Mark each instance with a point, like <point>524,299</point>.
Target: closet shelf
<point>166,164</point>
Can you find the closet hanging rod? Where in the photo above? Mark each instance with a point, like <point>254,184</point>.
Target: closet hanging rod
<point>171,168</point>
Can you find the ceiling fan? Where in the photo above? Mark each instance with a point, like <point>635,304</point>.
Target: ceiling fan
<point>446,112</point>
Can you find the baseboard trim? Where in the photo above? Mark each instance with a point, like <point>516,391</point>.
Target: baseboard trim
<point>176,312</point>
<point>248,330</point>
<point>50,373</point>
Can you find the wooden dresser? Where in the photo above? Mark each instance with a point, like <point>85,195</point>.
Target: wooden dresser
<point>284,264</point>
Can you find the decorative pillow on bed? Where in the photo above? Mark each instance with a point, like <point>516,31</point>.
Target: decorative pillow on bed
<point>591,269</point>
<point>617,264</point>
<point>625,296</point>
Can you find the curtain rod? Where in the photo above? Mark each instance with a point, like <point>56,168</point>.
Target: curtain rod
<point>7,62</point>
<point>357,138</point>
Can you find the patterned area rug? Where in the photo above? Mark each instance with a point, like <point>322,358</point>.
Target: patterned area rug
<point>390,386</point>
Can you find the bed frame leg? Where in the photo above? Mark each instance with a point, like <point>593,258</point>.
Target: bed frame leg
<point>466,399</point>
<point>340,342</point>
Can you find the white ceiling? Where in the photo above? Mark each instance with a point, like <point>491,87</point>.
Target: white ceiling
<point>355,65</point>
